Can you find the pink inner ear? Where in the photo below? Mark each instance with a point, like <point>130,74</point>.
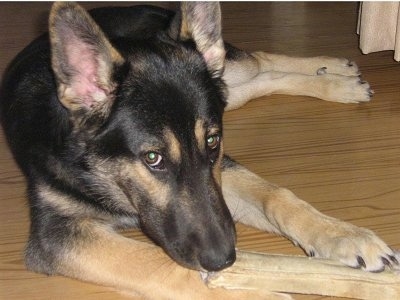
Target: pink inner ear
<point>84,67</point>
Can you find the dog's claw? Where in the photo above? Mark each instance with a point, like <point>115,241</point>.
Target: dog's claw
<point>361,262</point>
<point>385,261</point>
<point>371,92</point>
<point>393,259</point>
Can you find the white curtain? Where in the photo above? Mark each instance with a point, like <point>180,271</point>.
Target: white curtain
<point>379,27</point>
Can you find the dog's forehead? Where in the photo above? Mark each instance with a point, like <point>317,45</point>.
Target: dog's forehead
<point>172,87</point>
<point>169,73</point>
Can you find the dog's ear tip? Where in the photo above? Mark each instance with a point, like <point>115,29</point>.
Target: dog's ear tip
<point>64,4</point>
<point>201,21</point>
<point>59,6</point>
<point>61,9</point>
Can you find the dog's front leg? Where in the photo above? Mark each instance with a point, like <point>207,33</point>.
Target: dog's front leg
<point>255,202</point>
<point>97,254</point>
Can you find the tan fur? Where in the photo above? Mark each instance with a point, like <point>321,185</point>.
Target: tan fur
<point>63,204</point>
<point>148,183</point>
<point>217,165</point>
<point>174,147</point>
<point>261,74</point>
<point>139,268</point>
<point>184,33</point>
<point>200,133</point>
<point>255,202</point>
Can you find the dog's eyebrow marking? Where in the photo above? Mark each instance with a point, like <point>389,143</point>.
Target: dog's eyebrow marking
<point>174,147</point>
<point>200,133</point>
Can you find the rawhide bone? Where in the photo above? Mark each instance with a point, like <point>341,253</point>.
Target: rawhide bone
<point>303,275</point>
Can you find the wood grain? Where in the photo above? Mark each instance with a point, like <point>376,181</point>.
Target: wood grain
<point>343,159</point>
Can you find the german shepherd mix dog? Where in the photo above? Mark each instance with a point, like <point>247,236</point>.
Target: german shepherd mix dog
<point>115,118</point>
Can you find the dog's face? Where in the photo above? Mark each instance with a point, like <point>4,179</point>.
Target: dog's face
<point>149,116</point>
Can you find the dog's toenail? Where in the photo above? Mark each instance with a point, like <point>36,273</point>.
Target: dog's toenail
<point>385,261</point>
<point>361,262</point>
<point>393,259</point>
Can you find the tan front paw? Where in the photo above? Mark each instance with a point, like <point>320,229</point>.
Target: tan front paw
<point>353,246</point>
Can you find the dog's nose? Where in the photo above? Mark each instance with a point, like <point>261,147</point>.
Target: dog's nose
<point>213,261</point>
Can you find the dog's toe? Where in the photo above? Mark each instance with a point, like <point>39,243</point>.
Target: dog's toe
<point>339,66</point>
<point>352,68</point>
<point>355,247</point>
<point>346,89</point>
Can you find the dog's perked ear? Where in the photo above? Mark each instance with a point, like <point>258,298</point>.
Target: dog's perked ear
<point>201,21</point>
<point>83,59</point>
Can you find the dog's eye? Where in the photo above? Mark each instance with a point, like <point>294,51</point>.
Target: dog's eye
<point>213,141</point>
<point>154,160</point>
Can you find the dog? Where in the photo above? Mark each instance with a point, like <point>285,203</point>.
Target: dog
<point>115,119</point>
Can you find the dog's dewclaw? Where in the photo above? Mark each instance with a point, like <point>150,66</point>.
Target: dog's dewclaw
<point>303,275</point>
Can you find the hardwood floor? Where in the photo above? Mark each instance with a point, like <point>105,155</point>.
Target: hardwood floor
<point>343,159</point>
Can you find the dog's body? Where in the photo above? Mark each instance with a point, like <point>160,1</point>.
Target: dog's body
<point>123,129</point>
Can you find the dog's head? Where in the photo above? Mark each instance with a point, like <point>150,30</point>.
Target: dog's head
<point>148,116</point>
